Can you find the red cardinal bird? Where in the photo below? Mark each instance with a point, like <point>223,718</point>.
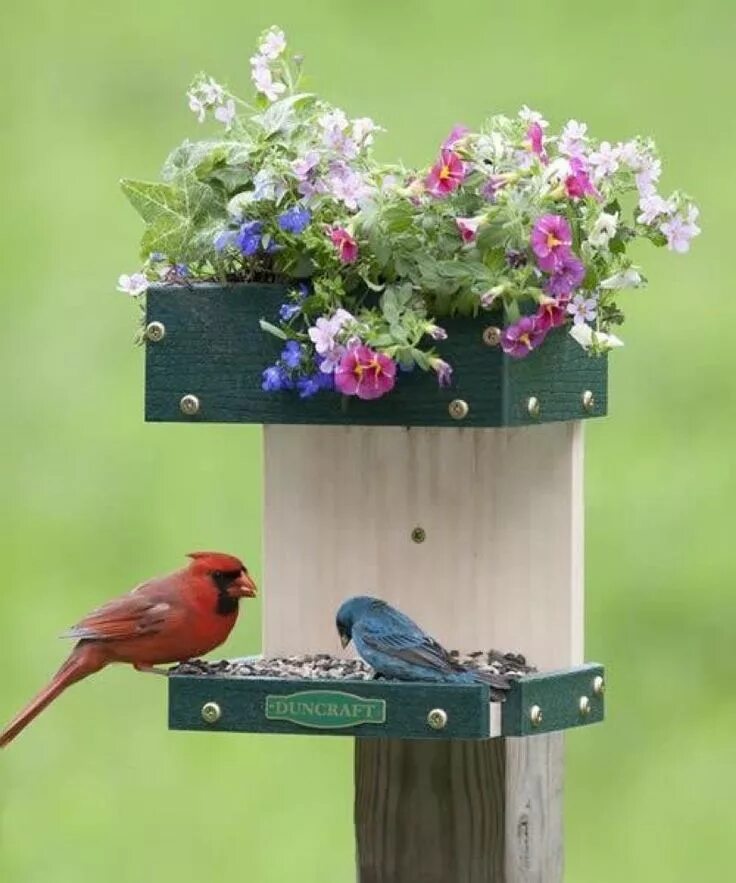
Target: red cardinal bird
<point>169,619</point>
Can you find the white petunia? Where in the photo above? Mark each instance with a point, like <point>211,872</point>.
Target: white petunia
<point>596,340</point>
<point>573,139</point>
<point>603,230</point>
<point>628,278</point>
<point>604,160</point>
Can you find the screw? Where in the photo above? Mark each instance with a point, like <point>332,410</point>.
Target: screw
<point>189,405</point>
<point>599,685</point>
<point>491,336</point>
<point>535,715</point>
<point>458,409</point>
<point>584,706</point>
<point>588,400</point>
<point>437,718</point>
<point>155,331</point>
<point>532,406</point>
<point>419,535</point>
<point>211,712</point>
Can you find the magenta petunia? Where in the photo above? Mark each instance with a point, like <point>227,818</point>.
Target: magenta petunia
<point>446,175</point>
<point>578,183</point>
<point>551,241</point>
<point>566,277</point>
<point>364,373</point>
<point>552,313</point>
<point>519,339</point>
<point>459,131</point>
<point>346,246</point>
<point>535,137</point>
<point>468,227</point>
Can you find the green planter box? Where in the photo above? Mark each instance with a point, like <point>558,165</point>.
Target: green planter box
<point>213,351</point>
<point>537,703</point>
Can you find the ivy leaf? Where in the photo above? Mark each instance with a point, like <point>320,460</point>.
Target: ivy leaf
<point>175,214</point>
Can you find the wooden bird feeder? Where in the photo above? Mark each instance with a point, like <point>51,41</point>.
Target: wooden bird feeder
<point>462,507</point>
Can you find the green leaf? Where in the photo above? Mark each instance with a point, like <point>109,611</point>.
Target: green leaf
<point>278,115</point>
<point>272,329</point>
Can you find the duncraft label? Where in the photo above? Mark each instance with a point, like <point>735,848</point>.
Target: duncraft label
<point>325,709</point>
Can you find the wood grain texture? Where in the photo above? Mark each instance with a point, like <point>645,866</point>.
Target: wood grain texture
<point>501,566</point>
<point>215,349</point>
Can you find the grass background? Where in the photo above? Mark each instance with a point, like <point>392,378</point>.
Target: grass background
<point>93,500</point>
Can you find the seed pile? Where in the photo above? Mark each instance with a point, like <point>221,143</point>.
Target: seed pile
<point>323,666</point>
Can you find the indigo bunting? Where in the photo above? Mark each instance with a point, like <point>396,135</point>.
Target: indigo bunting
<point>396,647</point>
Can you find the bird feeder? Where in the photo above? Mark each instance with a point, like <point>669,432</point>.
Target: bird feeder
<point>461,507</point>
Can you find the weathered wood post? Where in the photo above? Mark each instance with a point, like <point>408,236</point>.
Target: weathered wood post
<point>462,507</point>
<point>500,565</point>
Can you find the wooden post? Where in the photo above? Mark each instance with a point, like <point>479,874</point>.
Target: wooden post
<point>500,566</point>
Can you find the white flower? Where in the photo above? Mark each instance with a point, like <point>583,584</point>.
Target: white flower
<point>532,116</point>
<point>603,230</point>
<point>267,185</point>
<point>133,285</point>
<point>680,230</point>
<point>604,160</point>
<point>322,333</point>
<point>263,78</point>
<point>573,139</point>
<point>596,340</point>
<point>212,92</point>
<point>628,154</point>
<point>363,129</point>
<point>196,105</point>
<point>652,205</point>
<point>273,43</point>
<point>628,278</point>
<point>225,113</point>
<point>649,172</point>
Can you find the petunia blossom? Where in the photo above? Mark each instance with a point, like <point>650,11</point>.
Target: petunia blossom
<point>446,175</point>
<point>566,277</point>
<point>346,246</point>
<point>442,369</point>
<point>468,227</point>
<point>578,183</point>
<point>365,373</point>
<point>603,230</point>
<point>597,340</point>
<point>551,240</point>
<point>573,140</point>
<point>458,131</point>
<point>519,339</point>
<point>535,139</point>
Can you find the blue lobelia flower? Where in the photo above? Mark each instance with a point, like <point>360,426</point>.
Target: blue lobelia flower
<point>273,379</point>
<point>288,311</point>
<point>291,355</point>
<point>308,386</point>
<point>225,239</point>
<point>295,220</point>
<point>249,237</point>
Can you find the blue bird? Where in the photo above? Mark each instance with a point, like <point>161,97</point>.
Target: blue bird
<point>397,648</point>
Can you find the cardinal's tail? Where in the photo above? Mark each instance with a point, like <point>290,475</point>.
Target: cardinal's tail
<point>83,660</point>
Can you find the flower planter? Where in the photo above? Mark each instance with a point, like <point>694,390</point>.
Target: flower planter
<point>537,703</point>
<point>206,353</point>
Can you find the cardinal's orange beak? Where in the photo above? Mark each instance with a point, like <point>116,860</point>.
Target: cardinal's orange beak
<point>244,587</point>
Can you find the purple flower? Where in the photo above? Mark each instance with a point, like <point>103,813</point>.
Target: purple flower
<point>225,239</point>
<point>551,241</point>
<point>578,183</point>
<point>519,339</point>
<point>295,220</point>
<point>535,139</point>
<point>309,386</point>
<point>680,229</point>
<point>566,277</point>
<point>551,313</point>
<point>437,333</point>
<point>582,309</point>
<point>458,131</point>
<point>291,355</point>
<point>443,371</point>
<point>249,237</point>
<point>273,379</point>
<point>288,311</point>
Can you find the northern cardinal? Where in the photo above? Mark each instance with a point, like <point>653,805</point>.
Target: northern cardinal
<point>168,619</point>
<point>396,647</point>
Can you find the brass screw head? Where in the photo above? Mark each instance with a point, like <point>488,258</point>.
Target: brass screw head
<point>437,718</point>
<point>535,715</point>
<point>419,535</point>
<point>588,400</point>
<point>599,685</point>
<point>189,405</point>
<point>532,406</point>
<point>584,706</point>
<point>458,409</point>
<point>155,331</point>
<point>491,336</point>
<point>211,712</point>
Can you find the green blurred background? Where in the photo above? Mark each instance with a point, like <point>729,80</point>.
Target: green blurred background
<point>93,500</point>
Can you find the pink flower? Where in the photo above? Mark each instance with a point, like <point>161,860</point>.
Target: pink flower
<point>345,244</point>
<point>535,137</point>
<point>520,339</point>
<point>566,277</point>
<point>551,241</point>
<point>364,373</point>
<point>468,227</point>
<point>578,183</point>
<point>458,132</point>
<point>552,313</point>
<point>446,175</point>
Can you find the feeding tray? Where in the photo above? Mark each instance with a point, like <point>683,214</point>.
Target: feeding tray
<point>206,352</point>
<point>321,695</point>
